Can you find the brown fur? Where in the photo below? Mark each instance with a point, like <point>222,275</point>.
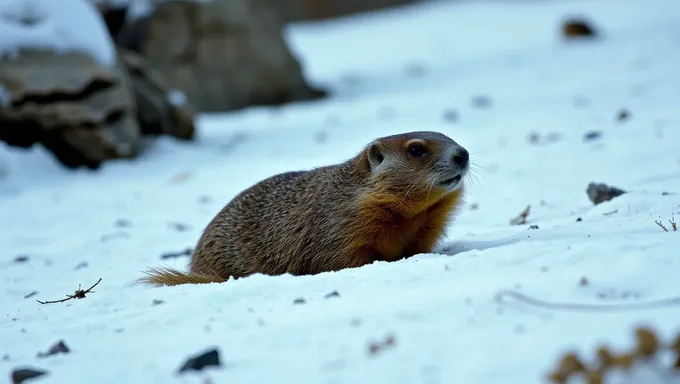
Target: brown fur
<point>334,217</point>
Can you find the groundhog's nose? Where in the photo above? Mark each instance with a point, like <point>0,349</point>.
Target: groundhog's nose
<point>461,157</point>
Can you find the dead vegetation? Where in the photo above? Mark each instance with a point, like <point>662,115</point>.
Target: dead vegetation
<point>376,347</point>
<point>648,350</point>
<point>522,217</point>
<point>78,294</point>
<point>674,225</point>
<point>600,192</point>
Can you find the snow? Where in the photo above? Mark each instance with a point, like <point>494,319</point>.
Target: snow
<point>54,25</point>
<point>390,72</point>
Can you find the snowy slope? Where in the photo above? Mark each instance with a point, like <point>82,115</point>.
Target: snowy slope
<point>391,72</point>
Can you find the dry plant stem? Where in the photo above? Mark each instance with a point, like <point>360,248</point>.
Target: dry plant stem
<point>646,350</point>
<point>78,294</point>
<point>660,224</point>
<point>587,307</point>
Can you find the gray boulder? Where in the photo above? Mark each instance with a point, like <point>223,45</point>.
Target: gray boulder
<point>222,54</point>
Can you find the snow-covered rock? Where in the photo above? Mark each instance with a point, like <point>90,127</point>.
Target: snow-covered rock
<point>57,26</point>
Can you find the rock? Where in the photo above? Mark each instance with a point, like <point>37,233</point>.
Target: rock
<point>222,54</point>
<point>25,374</point>
<point>57,348</point>
<point>172,255</point>
<point>451,115</point>
<point>198,362</point>
<point>160,108</point>
<point>78,109</point>
<point>573,28</point>
<point>81,265</point>
<point>179,227</point>
<point>600,192</point>
<point>85,113</point>
<point>114,15</point>
<point>592,135</point>
<point>481,101</point>
<point>622,115</point>
<point>21,259</point>
<point>295,10</point>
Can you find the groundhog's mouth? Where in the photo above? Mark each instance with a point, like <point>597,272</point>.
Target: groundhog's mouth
<point>451,181</point>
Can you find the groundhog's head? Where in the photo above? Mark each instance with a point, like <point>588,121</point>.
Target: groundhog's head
<point>417,163</point>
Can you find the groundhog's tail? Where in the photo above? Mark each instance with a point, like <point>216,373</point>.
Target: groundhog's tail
<point>167,276</point>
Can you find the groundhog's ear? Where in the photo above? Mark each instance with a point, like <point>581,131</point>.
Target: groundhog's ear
<point>375,155</point>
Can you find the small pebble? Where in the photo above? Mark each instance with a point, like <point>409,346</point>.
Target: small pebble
<point>21,259</point>
<point>24,374</point>
<point>210,358</point>
<point>592,135</point>
<point>481,101</point>
<point>622,115</point>
<point>577,28</point>
<point>451,116</point>
<point>172,255</point>
<point>57,348</point>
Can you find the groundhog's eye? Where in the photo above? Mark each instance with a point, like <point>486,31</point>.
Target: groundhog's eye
<point>416,149</point>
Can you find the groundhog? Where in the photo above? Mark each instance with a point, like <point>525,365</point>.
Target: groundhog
<point>392,200</point>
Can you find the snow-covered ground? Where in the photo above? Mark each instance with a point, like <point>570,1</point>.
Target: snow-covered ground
<point>419,68</point>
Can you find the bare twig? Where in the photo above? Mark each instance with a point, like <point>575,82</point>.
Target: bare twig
<point>78,294</point>
<point>587,307</point>
<point>660,224</point>
<point>674,225</point>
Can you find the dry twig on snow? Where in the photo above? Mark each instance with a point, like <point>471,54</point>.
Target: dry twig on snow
<point>78,294</point>
<point>674,225</point>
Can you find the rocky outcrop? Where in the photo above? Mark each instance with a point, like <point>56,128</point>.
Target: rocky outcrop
<point>66,86</point>
<point>81,111</point>
<point>222,54</point>
<point>160,109</point>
